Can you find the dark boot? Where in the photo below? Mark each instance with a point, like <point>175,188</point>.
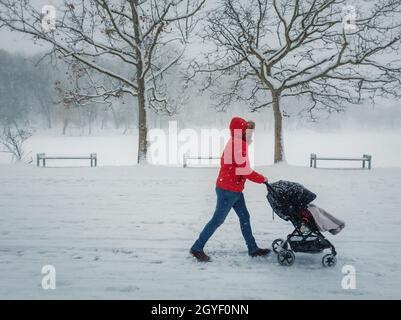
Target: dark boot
<point>260,252</point>
<point>200,255</point>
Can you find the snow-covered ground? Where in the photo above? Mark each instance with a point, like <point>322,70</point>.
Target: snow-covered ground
<point>124,232</point>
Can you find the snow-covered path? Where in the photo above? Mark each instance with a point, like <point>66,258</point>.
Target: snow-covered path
<point>124,232</point>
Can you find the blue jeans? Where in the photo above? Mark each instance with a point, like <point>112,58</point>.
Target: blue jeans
<point>225,201</point>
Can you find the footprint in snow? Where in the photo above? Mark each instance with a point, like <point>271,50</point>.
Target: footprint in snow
<point>115,251</point>
<point>123,289</point>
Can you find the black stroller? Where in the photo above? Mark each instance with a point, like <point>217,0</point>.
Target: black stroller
<point>287,200</point>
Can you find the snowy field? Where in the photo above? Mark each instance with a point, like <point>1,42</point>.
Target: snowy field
<point>114,149</point>
<point>124,232</point>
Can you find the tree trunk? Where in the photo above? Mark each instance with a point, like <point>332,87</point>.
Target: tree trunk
<point>115,118</point>
<point>90,124</point>
<point>49,121</point>
<point>46,110</point>
<point>140,77</point>
<point>278,129</point>
<point>65,125</point>
<point>142,127</point>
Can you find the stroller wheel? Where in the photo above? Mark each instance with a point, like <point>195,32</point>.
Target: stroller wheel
<point>286,257</point>
<point>277,245</point>
<point>329,260</point>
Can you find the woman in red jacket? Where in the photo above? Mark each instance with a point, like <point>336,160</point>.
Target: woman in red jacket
<point>234,171</point>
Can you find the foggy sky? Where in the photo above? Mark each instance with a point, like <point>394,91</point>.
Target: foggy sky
<point>18,42</point>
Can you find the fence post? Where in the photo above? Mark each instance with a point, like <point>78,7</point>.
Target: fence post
<point>313,160</point>
<point>367,158</point>
<point>39,156</point>
<point>93,159</point>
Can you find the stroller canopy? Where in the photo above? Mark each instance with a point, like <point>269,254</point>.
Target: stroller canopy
<point>286,198</point>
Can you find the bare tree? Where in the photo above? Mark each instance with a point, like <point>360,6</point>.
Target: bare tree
<point>133,32</point>
<point>12,138</point>
<point>321,51</point>
<point>41,88</point>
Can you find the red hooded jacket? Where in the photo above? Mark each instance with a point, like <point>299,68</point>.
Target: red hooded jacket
<point>235,168</point>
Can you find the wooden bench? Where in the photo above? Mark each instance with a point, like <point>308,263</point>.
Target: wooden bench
<point>42,157</point>
<point>186,158</point>
<point>365,158</point>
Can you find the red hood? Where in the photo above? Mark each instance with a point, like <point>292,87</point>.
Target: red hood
<point>238,123</point>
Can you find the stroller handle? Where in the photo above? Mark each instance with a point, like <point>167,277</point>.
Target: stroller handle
<point>269,187</point>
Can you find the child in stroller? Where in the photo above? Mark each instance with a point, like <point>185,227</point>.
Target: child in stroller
<point>292,202</point>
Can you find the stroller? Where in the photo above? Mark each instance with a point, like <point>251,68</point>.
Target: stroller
<point>289,201</point>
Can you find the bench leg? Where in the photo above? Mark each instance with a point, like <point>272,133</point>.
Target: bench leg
<point>44,162</point>
<point>314,164</point>
<point>363,164</point>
